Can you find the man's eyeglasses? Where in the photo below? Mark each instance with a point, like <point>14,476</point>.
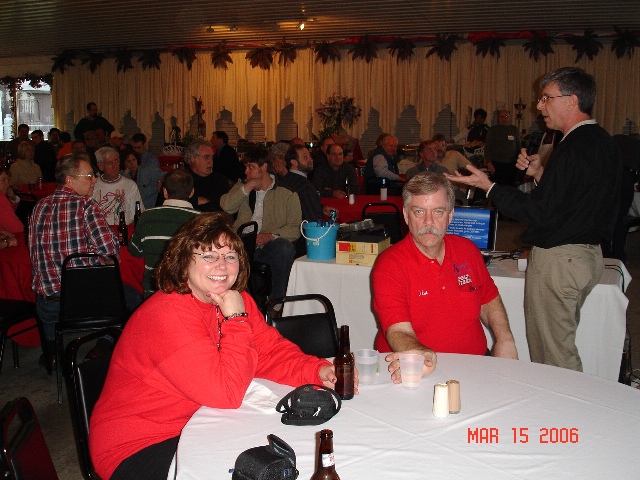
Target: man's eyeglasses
<point>543,99</point>
<point>90,176</point>
<point>213,257</point>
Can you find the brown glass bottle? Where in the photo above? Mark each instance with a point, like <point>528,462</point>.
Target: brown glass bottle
<point>122,231</point>
<point>326,469</point>
<point>345,366</point>
<point>137,214</point>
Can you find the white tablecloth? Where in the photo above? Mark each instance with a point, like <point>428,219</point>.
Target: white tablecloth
<point>600,335</point>
<point>389,432</point>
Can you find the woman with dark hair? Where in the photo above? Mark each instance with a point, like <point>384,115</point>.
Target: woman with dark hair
<point>200,340</point>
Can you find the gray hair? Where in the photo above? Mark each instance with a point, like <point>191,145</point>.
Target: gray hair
<point>279,147</point>
<point>193,149</point>
<point>69,165</point>
<point>105,152</point>
<point>428,183</point>
<point>574,81</point>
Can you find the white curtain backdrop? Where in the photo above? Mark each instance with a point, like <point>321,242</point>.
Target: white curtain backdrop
<point>429,84</point>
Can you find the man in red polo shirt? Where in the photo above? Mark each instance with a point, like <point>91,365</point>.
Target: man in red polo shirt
<point>432,290</point>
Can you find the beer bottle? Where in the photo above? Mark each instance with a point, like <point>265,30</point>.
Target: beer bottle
<point>122,230</point>
<point>344,364</point>
<point>136,217</point>
<point>326,469</point>
<point>346,186</point>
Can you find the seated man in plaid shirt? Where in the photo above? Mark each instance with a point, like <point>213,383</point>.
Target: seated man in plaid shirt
<point>67,221</point>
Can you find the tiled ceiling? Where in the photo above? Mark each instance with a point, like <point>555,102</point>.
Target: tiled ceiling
<point>46,27</point>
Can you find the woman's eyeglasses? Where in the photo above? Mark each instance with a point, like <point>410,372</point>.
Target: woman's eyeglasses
<point>213,257</point>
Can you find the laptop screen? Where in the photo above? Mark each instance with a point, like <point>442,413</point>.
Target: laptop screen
<point>477,224</point>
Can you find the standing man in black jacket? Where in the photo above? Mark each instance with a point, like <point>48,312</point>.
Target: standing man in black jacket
<point>570,211</point>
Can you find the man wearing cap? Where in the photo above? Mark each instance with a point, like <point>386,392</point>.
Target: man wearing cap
<point>116,140</point>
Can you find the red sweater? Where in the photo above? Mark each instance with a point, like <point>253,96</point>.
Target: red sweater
<point>166,365</point>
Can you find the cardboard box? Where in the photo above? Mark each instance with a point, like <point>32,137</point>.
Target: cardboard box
<point>361,252</point>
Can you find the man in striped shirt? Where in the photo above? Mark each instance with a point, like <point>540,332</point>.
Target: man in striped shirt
<point>157,225</point>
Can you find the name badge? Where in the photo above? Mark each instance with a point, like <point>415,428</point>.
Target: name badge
<point>511,137</point>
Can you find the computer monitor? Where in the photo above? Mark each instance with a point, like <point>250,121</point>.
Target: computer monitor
<point>478,224</point>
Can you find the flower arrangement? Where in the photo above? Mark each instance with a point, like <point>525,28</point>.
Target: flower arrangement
<point>335,112</point>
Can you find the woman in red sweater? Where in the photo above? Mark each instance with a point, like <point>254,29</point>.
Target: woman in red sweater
<point>199,340</point>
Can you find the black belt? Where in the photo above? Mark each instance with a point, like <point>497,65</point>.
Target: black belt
<point>53,298</point>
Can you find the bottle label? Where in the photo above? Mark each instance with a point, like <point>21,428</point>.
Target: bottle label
<point>328,460</point>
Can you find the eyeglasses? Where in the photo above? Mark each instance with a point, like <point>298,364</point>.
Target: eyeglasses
<point>90,176</point>
<point>213,257</point>
<point>543,99</point>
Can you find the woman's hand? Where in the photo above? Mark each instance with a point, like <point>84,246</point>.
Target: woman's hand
<point>230,302</point>
<point>328,377</point>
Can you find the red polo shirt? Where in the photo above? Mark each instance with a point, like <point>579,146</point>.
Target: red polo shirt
<point>442,302</point>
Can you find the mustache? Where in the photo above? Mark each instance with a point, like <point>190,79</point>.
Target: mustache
<point>430,229</point>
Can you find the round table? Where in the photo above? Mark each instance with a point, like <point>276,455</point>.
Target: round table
<point>518,420</point>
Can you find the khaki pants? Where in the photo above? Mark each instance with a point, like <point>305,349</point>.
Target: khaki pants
<point>557,283</point>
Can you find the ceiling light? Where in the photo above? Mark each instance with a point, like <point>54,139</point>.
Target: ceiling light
<point>233,28</point>
<point>209,29</point>
<point>301,25</point>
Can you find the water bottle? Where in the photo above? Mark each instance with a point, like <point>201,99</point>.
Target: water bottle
<point>383,190</point>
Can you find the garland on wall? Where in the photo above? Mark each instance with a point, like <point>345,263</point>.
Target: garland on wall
<point>536,43</point>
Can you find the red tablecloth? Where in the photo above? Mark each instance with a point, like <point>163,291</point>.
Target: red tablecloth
<point>15,280</point>
<point>168,162</point>
<point>47,189</point>
<point>349,213</point>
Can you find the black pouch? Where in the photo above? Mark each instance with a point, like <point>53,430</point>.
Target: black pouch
<point>276,461</point>
<point>309,405</point>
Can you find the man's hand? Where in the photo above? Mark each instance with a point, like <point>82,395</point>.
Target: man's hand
<point>203,200</point>
<point>531,164</point>
<point>251,184</point>
<point>477,178</point>
<point>339,194</point>
<point>326,210</point>
<point>430,360</point>
<point>264,238</point>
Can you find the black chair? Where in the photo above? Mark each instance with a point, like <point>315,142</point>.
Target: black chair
<point>91,298</point>
<point>373,185</point>
<point>23,452</point>
<point>25,207</point>
<point>260,273</point>
<point>386,214</point>
<point>13,312</point>
<point>315,333</point>
<point>84,385</point>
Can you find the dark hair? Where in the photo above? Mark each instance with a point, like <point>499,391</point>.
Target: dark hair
<point>292,154</point>
<point>6,170</point>
<point>124,154</point>
<point>428,183</point>
<point>438,137</point>
<point>90,104</point>
<point>480,112</point>
<point>54,129</point>
<point>425,144</point>
<point>23,125</point>
<point>65,137</point>
<point>257,155</point>
<point>179,184</point>
<point>221,135</point>
<point>202,231</point>
<point>138,137</point>
<point>38,132</point>
<point>574,81</point>
<point>69,165</point>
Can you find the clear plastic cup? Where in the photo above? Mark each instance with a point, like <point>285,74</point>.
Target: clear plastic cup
<point>411,369</point>
<point>367,364</point>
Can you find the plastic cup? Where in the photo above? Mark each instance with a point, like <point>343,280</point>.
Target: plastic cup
<point>411,369</point>
<point>367,364</point>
